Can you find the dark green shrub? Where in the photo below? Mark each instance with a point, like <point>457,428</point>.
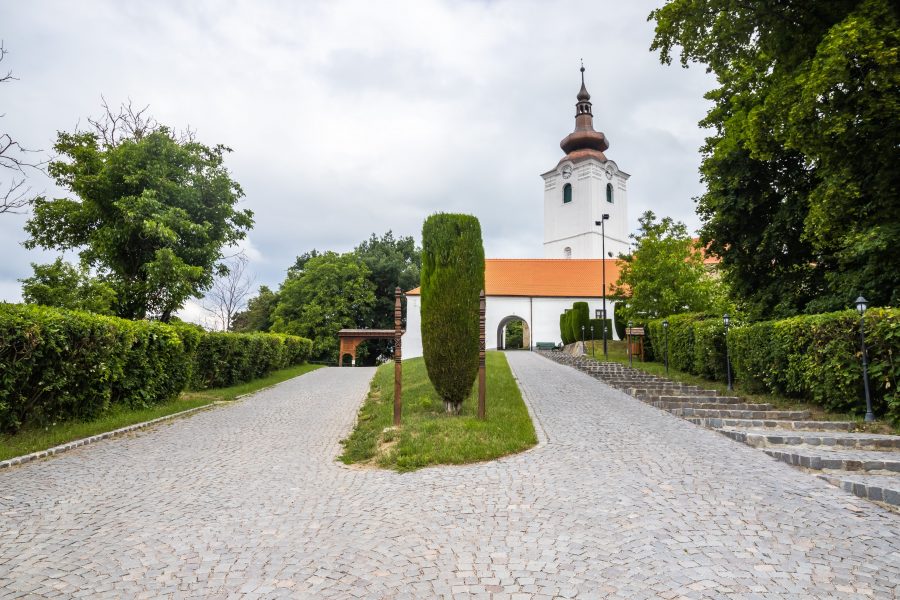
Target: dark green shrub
<point>619,320</point>
<point>452,278</point>
<point>581,317</point>
<point>564,327</point>
<point>58,364</point>
<point>598,324</point>
<point>754,356</point>
<point>157,365</point>
<point>681,341</point>
<point>709,349</point>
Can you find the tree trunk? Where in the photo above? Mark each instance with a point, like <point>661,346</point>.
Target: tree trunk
<point>452,407</point>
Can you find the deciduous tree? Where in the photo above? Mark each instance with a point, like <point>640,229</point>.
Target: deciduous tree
<point>63,285</point>
<point>330,293</point>
<point>151,211</point>
<point>801,200</point>
<point>665,273</point>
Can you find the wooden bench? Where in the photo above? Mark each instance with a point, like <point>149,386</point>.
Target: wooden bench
<point>546,346</point>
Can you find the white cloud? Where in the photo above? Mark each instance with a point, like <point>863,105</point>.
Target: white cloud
<point>353,117</point>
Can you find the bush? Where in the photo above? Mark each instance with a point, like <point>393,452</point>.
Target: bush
<point>815,358</point>
<point>452,279</point>
<point>58,364</point>
<point>598,325</point>
<point>564,327</point>
<point>581,317</point>
<point>818,358</point>
<point>619,320</point>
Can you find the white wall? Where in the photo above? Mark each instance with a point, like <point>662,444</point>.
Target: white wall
<point>541,315</point>
<point>571,224</point>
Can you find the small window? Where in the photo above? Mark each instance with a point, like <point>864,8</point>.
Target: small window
<point>567,252</point>
<point>567,193</point>
<point>609,193</point>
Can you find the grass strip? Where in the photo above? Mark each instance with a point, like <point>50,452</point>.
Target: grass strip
<point>35,439</point>
<point>428,436</point>
<point>618,352</point>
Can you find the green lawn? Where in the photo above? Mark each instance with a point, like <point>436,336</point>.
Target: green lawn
<point>428,436</point>
<point>35,439</point>
<point>618,353</point>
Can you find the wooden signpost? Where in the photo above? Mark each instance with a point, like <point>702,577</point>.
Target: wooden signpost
<point>398,357</point>
<point>482,376</point>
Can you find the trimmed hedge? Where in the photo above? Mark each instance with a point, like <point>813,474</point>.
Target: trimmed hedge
<point>58,364</point>
<point>815,358</point>
<point>581,317</point>
<point>597,324</point>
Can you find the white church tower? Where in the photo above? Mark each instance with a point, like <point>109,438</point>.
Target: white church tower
<point>583,187</point>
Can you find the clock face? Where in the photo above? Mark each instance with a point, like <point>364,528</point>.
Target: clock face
<point>567,171</point>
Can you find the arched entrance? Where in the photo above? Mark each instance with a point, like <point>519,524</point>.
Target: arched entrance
<point>513,344</point>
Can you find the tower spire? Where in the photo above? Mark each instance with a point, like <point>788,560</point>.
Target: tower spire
<point>584,140</point>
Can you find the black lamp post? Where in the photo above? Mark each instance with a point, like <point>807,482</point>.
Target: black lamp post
<point>583,351</point>
<point>592,341</point>
<point>630,357</point>
<point>601,223</point>
<point>726,319</point>
<point>666,330</point>
<point>861,304</point>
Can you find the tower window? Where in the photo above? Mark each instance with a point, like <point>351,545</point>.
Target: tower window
<point>567,193</point>
<point>609,193</point>
<point>567,252</point>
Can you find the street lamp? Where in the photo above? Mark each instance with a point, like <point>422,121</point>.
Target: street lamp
<point>603,218</point>
<point>861,304</point>
<point>666,330</point>
<point>630,357</point>
<point>583,351</point>
<point>727,320</point>
<point>592,342</point>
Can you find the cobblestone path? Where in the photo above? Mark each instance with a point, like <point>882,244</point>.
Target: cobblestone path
<point>620,501</point>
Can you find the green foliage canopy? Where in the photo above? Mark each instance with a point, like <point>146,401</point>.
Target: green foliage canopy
<point>331,292</point>
<point>801,200</point>
<point>665,274</point>
<point>452,279</point>
<point>151,213</point>
<point>258,315</point>
<point>63,285</point>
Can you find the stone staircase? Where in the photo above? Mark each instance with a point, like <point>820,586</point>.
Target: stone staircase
<point>864,464</point>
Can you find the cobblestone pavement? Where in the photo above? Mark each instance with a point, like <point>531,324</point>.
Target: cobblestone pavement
<point>620,501</point>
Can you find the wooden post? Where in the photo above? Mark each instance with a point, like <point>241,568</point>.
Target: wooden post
<point>398,359</point>
<point>482,380</point>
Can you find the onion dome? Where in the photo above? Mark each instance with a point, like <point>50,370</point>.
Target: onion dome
<point>584,142</point>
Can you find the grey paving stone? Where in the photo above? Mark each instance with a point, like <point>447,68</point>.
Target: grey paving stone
<point>620,501</point>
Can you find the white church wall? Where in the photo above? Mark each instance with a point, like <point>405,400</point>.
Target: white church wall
<point>541,315</point>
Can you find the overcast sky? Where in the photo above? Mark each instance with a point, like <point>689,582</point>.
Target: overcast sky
<point>348,118</point>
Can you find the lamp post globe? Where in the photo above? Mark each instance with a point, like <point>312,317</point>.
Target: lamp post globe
<point>727,320</point>
<point>665,325</point>
<point>602,223</point>
<point>861,305</point>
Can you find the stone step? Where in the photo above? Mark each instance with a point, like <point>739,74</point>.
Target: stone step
<point>690,398</point>
<point>711,405</point>
<point>659,395</point>
<point>823,459</point>
<point>773,424</point>
<point>787,415</point>
<point>837,440</point>
<point>880,488</point>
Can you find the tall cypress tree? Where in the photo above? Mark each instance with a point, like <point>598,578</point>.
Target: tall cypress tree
<point>452,279</point>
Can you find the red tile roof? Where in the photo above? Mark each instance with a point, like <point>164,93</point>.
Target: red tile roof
<point>546,277</point>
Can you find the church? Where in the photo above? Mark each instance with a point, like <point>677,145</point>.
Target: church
<point>585,226</point>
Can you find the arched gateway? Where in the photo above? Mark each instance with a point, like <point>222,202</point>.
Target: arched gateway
<point>503,343</point>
